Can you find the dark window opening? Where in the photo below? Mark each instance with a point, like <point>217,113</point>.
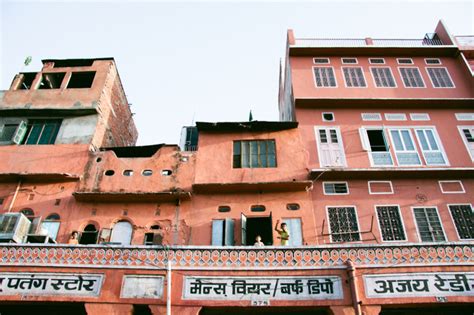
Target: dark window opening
<point>335,188</point>
<point>8,132</point>
<point>27,80</point>
<point>223,209</point>
<point>109,173</point>
<point>89,235</point>
<point>53,217</point>
<point>29,213</point>
<point>127,173</point>
<point>377,141</point>
<point>328,116</point>
<point>1,201</point>
<point>147,172</point>
<point>73,63</point>
<point>41,131</point>
<point>139,309</point>
<point>57,202</point>
<point>166,172</point>
<point>292,206</point>
<point>51,80</point>
<point>258,226</point>
<point>257,208</point>
<point>81,80</point>
<point>152,238</point>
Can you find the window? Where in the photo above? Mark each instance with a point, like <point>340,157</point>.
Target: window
<point>128,173</point>
<point>467,134</point>
<point>292,206</point>
<point>89,235</point>
<point>41,131</point>
<point>343,224</point>
<point>294,228</point>
<point>380,187</point>
<point>254,154</point>
<point>376,60</point>
<point>349,60</point>
<point>147,172</point>
<point>223,209</point>
<point>464,116</point>
<point>324,77</point>
<point>440,77</point>
<point>154,236</point>
<point>122,233</point>
<point>166,172</point>
<point>328,116</point>
<point>432,61</point>
<point>411,78</point>
<point>27,80</point>
<point>463,217</point>
<point>330,148</point>
<point>321,60</point>
<point>335,188</point>
<point>390,223</point>
<point>404,61</point>
<point>429,225</point>
<point>395,117</point>
<point>354,77</point>
<point>81,80</point>
<point>451,187</point>
<point>51,224</point>
<point>404,147</point>
<point>257,208</point>
<point>383,77</point>
<point>374,141</point>
<point>419,116</point>
<point>371,116</point>
<point>223,232</point>
<point>13,132</point>
<point>430,147</point>
<point>109,172</point>
<point>51,80</point>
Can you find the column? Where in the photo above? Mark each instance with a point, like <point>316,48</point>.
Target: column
<point>109,309</point>
<point>371,309</point>
<point>175,309</point>
<point>342,310</point>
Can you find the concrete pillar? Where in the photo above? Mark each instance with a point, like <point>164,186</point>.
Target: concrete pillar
<point>371,309</point>
<point>342,310</point>
<point>175,309</point>
<point>109,309</point>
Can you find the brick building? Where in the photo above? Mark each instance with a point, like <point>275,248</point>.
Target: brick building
<point>370,167</point>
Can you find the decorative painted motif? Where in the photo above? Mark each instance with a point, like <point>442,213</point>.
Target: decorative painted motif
<point>238,258</point>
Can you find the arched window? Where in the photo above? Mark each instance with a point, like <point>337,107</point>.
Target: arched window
<point>51,225</point>
<point>154,236</point>
<point>29,213</point>
<point>89,235</point>
<point>122,233</point>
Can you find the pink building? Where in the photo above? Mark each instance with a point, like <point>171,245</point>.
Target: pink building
<point>370,167</point>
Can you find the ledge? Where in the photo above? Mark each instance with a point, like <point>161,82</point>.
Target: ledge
<point>249,126</point>
<point>131,196</point>
<point>221,188</point>
<point>392,173</point>
<point>395,103</point>
<point>429,50</point>
<point>14,177</point>
<point>50,112</point>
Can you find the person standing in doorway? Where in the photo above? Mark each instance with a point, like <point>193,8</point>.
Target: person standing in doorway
<point>283,232</point>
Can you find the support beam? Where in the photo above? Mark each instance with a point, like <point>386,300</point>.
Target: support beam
<point>109,309</point>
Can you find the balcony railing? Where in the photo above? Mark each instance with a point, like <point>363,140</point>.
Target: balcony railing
<point>237,258</point>
<point>346,42</point>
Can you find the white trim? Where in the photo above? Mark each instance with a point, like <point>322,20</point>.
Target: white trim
<point>363,77</point>
<point>421,117</point>
<point>401,219</point>
<point>365,119</point>
<point>412,87</point>
<point>349,63</point>
<point>324,87</point>
<point>335,182</point>
<point>392,144</point>
<point>466,144</point>
<point>454,222</point>
<point>391,73</point>
<point>319,63</point>
<point>374,63</point>
<point>380,181</point>
<point>432,64</point>
<point>440,222</point>
<point>398,61</point>
<point>395,116</point>
<point>440,87</point>
<point>440,182</point>
<point>333,116</point>
<point>357,220</point>
<point>341,146</point>
<point>459,116</point>
<point>438,142</point>
<point>366,144</point>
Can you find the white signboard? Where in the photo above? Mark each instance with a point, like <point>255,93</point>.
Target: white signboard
<point>64,284</point>
<point>419,284</point>
<point>262,288</point>
<point>142,287</point>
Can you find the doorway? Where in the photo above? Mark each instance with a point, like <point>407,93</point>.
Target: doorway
<point>253,226</point>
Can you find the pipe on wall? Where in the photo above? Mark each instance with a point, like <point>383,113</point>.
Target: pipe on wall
<point>351,273</point>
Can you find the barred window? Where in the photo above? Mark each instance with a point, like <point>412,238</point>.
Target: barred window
<point>335,188</point>
<point>383,77</point>
<point>254,154</point>
<point>376,60</point>
<point>440,77</point>
<point>463,217</point>
<point>343,224</point>
<point>324,77</point>
<point>429,225</point>
<point>411,77</point>
<point>390,222</point>
<point>354,77</point>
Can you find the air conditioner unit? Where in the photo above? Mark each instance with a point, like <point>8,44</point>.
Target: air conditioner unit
<point>39,238</point>
<point>13,227</point>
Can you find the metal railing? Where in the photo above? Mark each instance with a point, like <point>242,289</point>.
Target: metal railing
<point>351,42</point>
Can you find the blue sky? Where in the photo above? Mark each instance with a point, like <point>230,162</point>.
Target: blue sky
<point>202,61</point>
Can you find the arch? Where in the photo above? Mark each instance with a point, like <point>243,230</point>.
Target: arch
<point>53,217</point>
<point>51,225</point>
<point>122,232</point>
<point>28,212</point>
<point>89,234</point>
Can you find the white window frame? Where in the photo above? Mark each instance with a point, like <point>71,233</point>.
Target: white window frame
<point>412,87</point>
<point>364,119</point>
<point>324,87</point>
<point>398,61</point>
<point>425,117</point>
<point>454,222</point>
<point>391,73</point>
<point>319,63</point>
<point>459,116</point>
<point>374,63</point>
<point>438,142</point>
<point>416,223</point>
<point>348,63</point>
<point>364,138</point>
<point>464,140</point>
<point>392,145</point>
<point>380,182</point>
<point>341,145</point>
<point>329,223</point>
<point>433,64</point>
<point>335,182</point>
<point>333,116</point>
<point>401,219</point>
<point>440,87</point>
<point>440,182</point>
<point>395,117</point>
<point>363,77</point>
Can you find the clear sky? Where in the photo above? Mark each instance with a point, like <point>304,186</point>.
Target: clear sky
<point>202,61</point>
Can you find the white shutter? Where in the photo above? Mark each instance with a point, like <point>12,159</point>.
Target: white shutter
<point>229,232</point>
<point>243,222</point>
<point>20,132</point>
<point>122,233</point>
<point>294,227</point>
<point>364,139</point>
<point>217,232</point>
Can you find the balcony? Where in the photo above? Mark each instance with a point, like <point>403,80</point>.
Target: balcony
<point>351,42</point>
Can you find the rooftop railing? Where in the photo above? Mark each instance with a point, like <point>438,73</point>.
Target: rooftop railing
<point>351,42</point>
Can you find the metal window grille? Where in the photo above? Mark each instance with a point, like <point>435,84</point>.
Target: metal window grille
<point>324,77</point>
<point>390,223</point>
<point>383,77</point>
<point>411,77</point>
<point>343,224</point>
<point>463,217</point>
<point>440,77</point>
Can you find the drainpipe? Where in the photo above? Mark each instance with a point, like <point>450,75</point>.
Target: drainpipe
<point>351,272</point>
<point>14,196</point>
<point>168,287</point>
